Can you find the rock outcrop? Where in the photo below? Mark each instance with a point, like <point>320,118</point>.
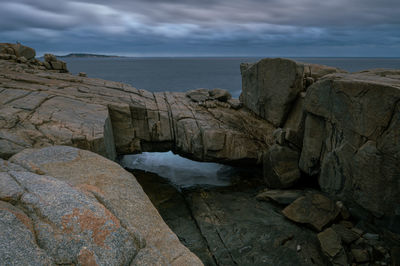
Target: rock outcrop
<point>62,205</point>
<point>17,50</point>
<point>52,63</point>
<point>42,108</point>
<point>352,140</point>
<point>271,86</point>
<point>344,127</point>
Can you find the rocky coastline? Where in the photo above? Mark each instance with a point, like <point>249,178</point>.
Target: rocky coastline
<point>64,199</point>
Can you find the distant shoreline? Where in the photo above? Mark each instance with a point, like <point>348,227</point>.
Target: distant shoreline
<point>83,55</point>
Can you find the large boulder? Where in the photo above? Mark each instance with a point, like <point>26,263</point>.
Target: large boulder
<point>351,138</point>
<point>270,86</point>
<point>18,50</point>
<point>51,62</point>
<point>77,207</point>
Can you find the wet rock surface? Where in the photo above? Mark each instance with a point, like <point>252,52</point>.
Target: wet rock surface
<point>228,226</point>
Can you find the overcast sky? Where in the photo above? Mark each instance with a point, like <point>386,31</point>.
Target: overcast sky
<point>205,27</point>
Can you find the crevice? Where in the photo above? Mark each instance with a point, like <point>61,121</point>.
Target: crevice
<point>198,227</point>
<point>17,98</point>
<point>171,119</point>
<point>219,234</point>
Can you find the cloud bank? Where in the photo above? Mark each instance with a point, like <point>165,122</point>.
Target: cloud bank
<point>208,27</point>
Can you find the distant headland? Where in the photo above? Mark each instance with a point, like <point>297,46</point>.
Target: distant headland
<point>83,55</point>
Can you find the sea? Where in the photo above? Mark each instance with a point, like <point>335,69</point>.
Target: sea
<point>182,74</point>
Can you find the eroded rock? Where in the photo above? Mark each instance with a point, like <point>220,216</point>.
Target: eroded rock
<point>314,209</point>
<point>87,208</point>
<point>281,166</point>
<point>351,138</point>
<point>44,108</point>
<point>271,86</point>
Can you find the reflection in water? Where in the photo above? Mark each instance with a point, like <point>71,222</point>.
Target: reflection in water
<point>180,171</point>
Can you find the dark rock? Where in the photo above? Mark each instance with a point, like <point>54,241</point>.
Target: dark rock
<point>50,58</point>
<point>284,197</point>
<point>270,86</point>
<point>220,95</point>
<point>360,255</point>
<point>330,242</point>
<point>351,138</point>
<point>370,236</point>
<point>279,136</point>
<point>314,209</point>
<point>395,255</point>
<point>347,235</point>
<point>280,164</point>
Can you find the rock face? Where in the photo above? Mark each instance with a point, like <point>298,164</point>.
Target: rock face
<point>281,168</point>
<point>41,108</point>
<point>275,90</point>
<point>271,86</point>
<point>345,127</point>
<point>62,205</point>
<point>351,138</point>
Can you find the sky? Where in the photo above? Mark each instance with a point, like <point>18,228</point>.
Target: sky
<point>300,28</point>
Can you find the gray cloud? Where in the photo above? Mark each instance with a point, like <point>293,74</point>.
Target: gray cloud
<point>205,27</point>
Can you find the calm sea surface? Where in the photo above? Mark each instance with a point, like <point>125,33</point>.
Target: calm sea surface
<point>181,74</point>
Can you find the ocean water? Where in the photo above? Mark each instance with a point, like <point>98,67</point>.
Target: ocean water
<point>182,74</point>
<point>180,171</point>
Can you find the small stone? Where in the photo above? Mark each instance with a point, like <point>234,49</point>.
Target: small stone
<point>50,58</point>
<point>198,95</point>
<point>82,74</point>
<point>292,137</point>
<point>22,60</point>
<point>347,235</point>
<point>235,104</point>
<point>279,136</point>
<point>347,224</point>
<point>357,231</point>
<point>314,209</point>
<point>370,236</point>
<point>298,248</point>
<point>220,95</point>
<point>360,255</point>
<point>280,166</point>
<point>330,242</point>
